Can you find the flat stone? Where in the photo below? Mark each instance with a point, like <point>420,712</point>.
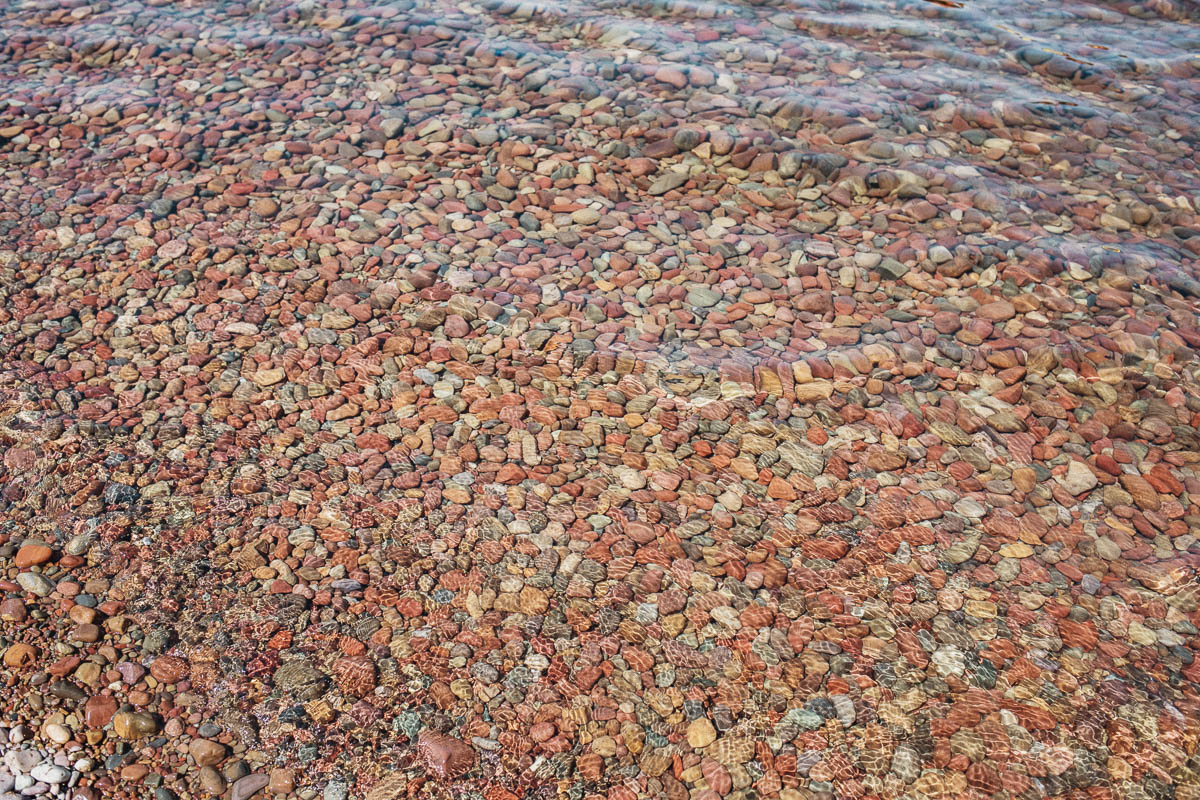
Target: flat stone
<point>269,377</point>
<point>35,584</point>
<point>703,297</point>
<point>245,787</point>
<point>32,554</point>
<point>666,182</point>
<point>701,733</point>
<point>444,756</point>
<point>1078,480</point>
<point>206,753</point>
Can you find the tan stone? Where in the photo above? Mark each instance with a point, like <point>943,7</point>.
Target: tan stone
<point>700,733</point>
<point>814,391</point>
<point>533,601</point>
<point>134,725</point>
<point>206,753</point>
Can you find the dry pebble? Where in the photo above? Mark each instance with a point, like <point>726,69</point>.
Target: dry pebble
<point>599,401</point>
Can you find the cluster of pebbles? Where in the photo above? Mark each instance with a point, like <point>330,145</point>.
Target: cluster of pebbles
<point>604,400</point>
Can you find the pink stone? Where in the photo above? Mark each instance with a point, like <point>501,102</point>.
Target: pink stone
<point>444,756</point>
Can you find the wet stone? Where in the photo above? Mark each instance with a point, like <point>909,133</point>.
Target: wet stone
<point>391,410</point>
<point>246,787</point>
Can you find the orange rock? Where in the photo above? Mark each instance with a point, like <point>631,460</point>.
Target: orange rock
<point>20,656</point>
<point>355,675</point>
<point>169,669</point>
<point>1141,491</point>
<point>32,555</point>
<point>779,489</point>
<point>510,474</point>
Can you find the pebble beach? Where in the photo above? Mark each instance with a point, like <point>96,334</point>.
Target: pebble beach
<point>672,399</point>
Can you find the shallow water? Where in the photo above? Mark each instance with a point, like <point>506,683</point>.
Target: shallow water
<point>658,399</point>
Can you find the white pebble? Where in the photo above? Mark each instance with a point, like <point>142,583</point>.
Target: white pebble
<point>58,733</point>
<point>50,773</point>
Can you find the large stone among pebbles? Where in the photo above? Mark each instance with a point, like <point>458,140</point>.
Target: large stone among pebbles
<point>269,377</point>
<point>50,773</point>
<point>205,752</point>
<point>1079,478</point>
<point>32,554</point>
<point>444,756</point>
<point>99,710</point>
<point>668,181</point>
<point>169,669</point>
<point>134,724</point>
<point>34,583</point>
<point>20,656</point>
<point>246,786</point>
<point>802,458</point>
<point>852,133</point>
<point>892,269</point>
<point>703,297</point>
<point>961,550</point>
<point>813,391</point>
<point>297,674</point>
<point>906,764</point>
<point>998,311</point>
<point>701,733</point>
<point>585,216</point>
<point>212,781</point>
<point>392,126</point>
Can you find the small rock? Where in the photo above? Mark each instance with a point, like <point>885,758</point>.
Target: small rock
<point>1079,479</point>
<point>701,733</point>
<point>444,756</point>
<point>667,181</point>
<point>35,584</point>
<point>206,753</point>
<point>134,724</point>
<point>245,787</point>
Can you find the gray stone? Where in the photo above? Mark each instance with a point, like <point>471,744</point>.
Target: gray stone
<point>892,269</point>
<point>336,789</point>
<point>668,181</point>
<point>703,297</point>
<point>50,773</point>
<point>687,138</point>
<point>790,163</point>
<point>962,550</point>
<point>485,137</point>
<point>844,707</point>
<point>392,127</point>
<point>35,584</point>
<point>906,764</point>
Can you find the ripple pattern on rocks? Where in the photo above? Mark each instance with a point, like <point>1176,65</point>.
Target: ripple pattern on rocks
<point>599,400</point>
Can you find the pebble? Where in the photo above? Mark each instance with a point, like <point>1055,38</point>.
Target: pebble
<point>444,756</point>
<point>35,584</point>
<point>246,786</point>
<point>134,725</point>
<point>701,734</point>
<point>50,773</point>
<point>211,781</point>
<point>1078,479</point>
<point>281,781</point>
<point>206,753</point>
